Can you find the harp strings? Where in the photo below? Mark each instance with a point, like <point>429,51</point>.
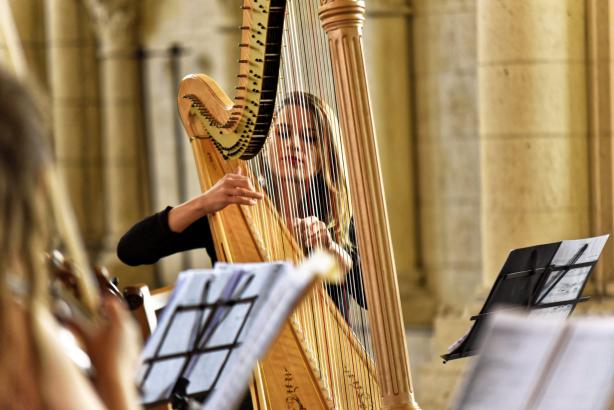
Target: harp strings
<point>302,169</point>
<point>356,317</point>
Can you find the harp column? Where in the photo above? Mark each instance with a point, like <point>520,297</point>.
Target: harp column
<point>342,20</point>
<point>533,124</point>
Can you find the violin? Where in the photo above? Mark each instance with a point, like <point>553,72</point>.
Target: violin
<point>68,308</point>
<point>63,271</point>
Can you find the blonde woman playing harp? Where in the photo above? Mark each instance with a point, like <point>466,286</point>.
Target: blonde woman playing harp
<point>302,174</point>
<point>315,46</point>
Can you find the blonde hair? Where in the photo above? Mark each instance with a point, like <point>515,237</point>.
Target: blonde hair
<point>24,156</point>
<point>333,170</point>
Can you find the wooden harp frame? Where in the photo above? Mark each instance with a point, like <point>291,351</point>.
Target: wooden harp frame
<point>235,236</point>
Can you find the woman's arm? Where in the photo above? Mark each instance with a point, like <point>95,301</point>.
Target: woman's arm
<point>231,189</point>
<point>184,227</point>
<point>151,239</point>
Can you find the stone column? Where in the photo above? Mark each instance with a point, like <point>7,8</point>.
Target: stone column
<point>125,183</point>
<point>444,40</point>
<point>600,15</point>
<point>77,143</point>
<point>28,18</point>
<point>445,84</point>
<point>387,56</point>
<point>533,125</point>
<point>211,49</point>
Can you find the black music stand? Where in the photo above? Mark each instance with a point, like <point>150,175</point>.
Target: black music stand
<point>544,279</point>
<point>198,353</point>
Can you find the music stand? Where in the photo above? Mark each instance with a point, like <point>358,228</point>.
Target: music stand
<point>198,352</point>
<point>544,279</point>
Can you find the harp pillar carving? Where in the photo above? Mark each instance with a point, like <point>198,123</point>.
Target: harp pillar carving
<point>533,125</point>
<point>124,190</point>
<point>342,20</point>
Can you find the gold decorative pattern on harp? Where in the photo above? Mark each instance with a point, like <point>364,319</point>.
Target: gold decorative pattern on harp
<point>301,96</point>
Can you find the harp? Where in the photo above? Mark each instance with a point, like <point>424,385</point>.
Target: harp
<point>321,358</point>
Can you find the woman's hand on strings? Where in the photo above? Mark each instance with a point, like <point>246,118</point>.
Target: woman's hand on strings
<point>312,233</point>
<point>233,188</point>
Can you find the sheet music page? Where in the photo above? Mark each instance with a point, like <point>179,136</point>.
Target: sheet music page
<point>569,248</point>
<point>228,338</point>
<point>571,284</point>
<point>265,326</point>
<point>582,376</point>
<point>555,312</point>
<point>514,353</point>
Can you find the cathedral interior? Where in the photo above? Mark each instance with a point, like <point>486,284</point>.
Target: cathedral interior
<point>493,123</point>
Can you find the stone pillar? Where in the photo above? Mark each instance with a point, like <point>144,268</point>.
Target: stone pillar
<point>444,41</point>
<point>533,125</point>
<point>600,15</point>
<point>387,55</point>
<point>125,185</point>
<point>77,143</point>
<point>445,84</point>
<point>210,48</point>
<point>28,17</point>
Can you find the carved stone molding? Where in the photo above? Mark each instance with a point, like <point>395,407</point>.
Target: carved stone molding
<point>114,22</point>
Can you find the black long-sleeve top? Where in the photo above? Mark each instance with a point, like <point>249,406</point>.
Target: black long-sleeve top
<point>151,239</point>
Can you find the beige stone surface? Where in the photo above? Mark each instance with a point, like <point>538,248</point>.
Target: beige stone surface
<point>437,383</point>
<point>535,173</point>
<point>389,86</point>
<point>29,17</point>
<point>527,229</point>
<point>521,31</point>
<point>600,39</point>
<point>532,125</point>
<point>207,33</point>
<point>443,7</point>
<point>74,96</point>
<point>537,97</point>
<point>444,46</point>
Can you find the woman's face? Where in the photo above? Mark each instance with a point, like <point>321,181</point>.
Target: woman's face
<point>293,147</point>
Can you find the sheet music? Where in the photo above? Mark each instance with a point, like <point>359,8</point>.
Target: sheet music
<point>518,286</point>
<point>263,330</point>
<point>582,376</point>
<point>268,291</point>
<point>555,312</point>
<point>568,249</point>
<point>542,364</point>
<point>570,286</point>
<point>511,361</point>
